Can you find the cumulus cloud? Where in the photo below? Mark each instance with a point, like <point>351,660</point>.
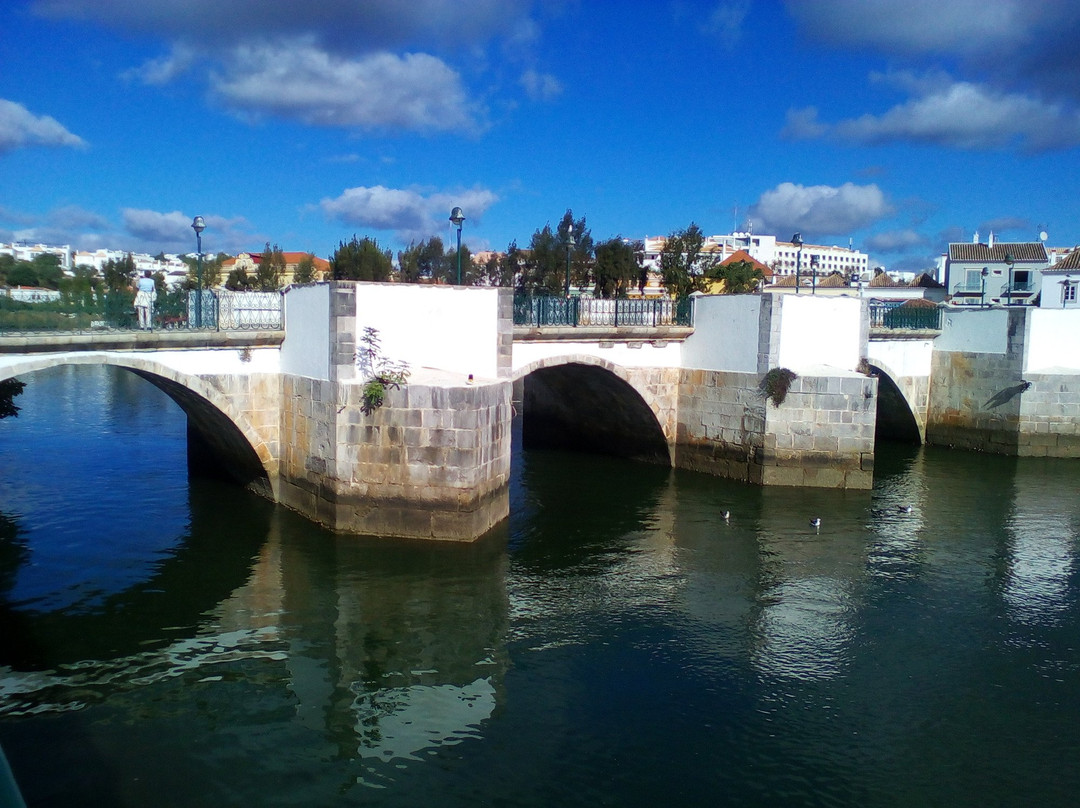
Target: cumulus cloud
<point>380,90</point>
<point>956,114</point>
<point>409,213</point>
<point>540,86</point>
<point>20,128</point>
<point>150,225</point>
<point>820,210</point>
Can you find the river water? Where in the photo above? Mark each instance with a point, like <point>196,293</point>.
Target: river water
<point>616,642</point>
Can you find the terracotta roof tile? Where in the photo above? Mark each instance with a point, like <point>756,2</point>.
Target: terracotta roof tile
<point>983,253</point>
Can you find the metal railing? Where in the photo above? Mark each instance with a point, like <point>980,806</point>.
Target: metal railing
<point>548,310</point>
<point>115,311</point>
<point>905,318</point>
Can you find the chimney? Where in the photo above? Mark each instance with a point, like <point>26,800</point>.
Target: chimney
<point>975,238</point>
<point>990,243</point>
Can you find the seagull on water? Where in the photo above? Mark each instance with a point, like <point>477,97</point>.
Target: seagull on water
<point>725,515</point>
<point>815,522</point>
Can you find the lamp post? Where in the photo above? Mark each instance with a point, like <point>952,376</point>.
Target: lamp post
<point>1009,263</point>
<point>569,246</point>
<point>457,217</point>
<point>198,225</point>
<point>798,242</point>
<point>813,274</point>
<point>982,294</point>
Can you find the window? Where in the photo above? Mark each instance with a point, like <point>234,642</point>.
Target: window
<point>973,280</point>
<point>1068,292</point>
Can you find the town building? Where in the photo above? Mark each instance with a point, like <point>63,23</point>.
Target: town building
<point>1059,282</point>
<point>782,257</point>
<point>22,251</point>
<point>995,273</point>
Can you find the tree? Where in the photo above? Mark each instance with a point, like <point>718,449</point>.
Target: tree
<point>305,270</point>
<point>271,269</point>
<point>424,260</point>
<point>211,270</point>
<point>739,277</point>
<point>9,388</point>
<point>119,275</point>
<point>361,260</point>
<point>240,281</point>
<point>469,275</point>
<point>684,267</point>
<point>544,268</point>
<point>616,270</point>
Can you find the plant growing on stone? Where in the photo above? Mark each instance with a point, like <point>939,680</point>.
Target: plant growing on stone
<point>776,383</point>
<point>379,373</point>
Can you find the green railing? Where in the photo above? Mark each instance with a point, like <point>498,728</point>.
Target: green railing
<point>905,318</point>
<point>548,310</point>
<point>115,311</point>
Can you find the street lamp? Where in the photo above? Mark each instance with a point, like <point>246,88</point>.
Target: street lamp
<point>1009,263</point>
<point>982,294</point>
<point>457,217</point>
<point>798,242</point>
<point>813,274</point>
<point>569,246</point>
<point>198,225</point>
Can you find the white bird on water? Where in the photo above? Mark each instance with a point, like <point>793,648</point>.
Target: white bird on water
<point>725,515</point>
<point>815,522</point>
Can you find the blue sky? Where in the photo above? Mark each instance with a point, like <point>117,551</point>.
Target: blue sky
<point>898,124</point>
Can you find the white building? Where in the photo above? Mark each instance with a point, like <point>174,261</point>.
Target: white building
<point>782,256</point>
<point>22,251</point>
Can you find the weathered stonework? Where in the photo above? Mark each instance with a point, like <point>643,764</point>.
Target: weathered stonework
<point>822,435</point>
<point>432,462</point>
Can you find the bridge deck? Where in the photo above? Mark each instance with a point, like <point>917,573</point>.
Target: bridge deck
<point>53,342</point>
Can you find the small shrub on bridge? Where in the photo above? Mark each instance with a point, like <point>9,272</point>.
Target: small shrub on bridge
<point>381,374</point>
<point>776,383</point>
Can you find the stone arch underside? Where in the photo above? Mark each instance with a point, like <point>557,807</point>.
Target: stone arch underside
<point>221,436</point>
<point>587,407</point>
<point>896,418</point>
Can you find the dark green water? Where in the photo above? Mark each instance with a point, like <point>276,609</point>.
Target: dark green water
<point>616,643</point>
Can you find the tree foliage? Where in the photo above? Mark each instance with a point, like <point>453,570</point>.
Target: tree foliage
<point>684,266</point>
<point>305,270</point>
<point>361,260</point>
<point>739,277</point>
<point>270,270</point>
<point>9,388</point>
<point>423,261</point>
<point>544,268</point>
<point>617,268</point>
<point>119,275</point>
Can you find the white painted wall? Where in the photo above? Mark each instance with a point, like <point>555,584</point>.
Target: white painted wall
<point>818,332</point>
<point>975,331</point>
<point>902,357</point>
<point>1053,341</point>
<point>643,356</point>
<point>449,328</point>
<point>306,349</point>
<point>725,334</point>
<point>226,361</point>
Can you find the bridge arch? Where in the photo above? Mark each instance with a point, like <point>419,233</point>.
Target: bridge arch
<point>215,422</point>
<point>585,403</point>
<point>898,410</point>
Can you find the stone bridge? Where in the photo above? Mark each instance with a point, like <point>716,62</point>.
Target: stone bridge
<point>283,413</point>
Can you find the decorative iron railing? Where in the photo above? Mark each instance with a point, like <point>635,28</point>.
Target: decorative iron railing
<point>905,318</point>
<point>115,311</point>
<point>548,310</point>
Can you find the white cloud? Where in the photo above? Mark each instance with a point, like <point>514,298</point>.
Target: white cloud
<point>956,114</point>
<point>541,86</point>
<point>150,225</point>
<point>344,26</point>
<point>164,69</point>
<point>920,26</point>
<point>381,90</point>
<point>409,213</point>
<point>819,210</point>
<point>20,128</point>
<point>725,22</point>
<point>894,241</point>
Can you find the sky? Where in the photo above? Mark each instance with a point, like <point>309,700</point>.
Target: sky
<point>895,126</point>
